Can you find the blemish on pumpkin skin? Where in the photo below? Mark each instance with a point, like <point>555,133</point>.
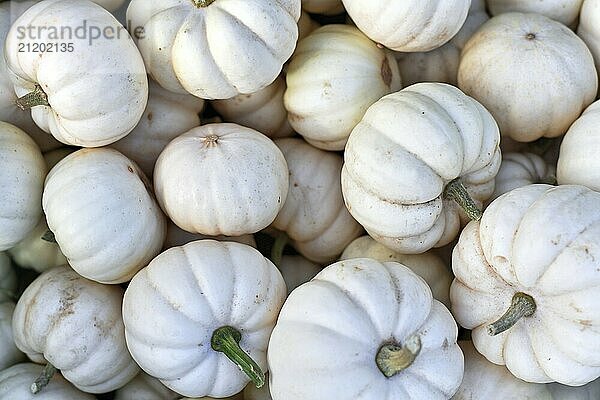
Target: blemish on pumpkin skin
<point>150,116</point>
<point>386,72</point>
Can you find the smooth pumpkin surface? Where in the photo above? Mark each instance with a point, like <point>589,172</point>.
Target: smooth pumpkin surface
<point>522,169</point>
<point>9,353</point>
<point>589,28</point>
<point>564,11</point>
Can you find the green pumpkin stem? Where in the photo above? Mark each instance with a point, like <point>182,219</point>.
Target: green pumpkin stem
<point>455,190</point>
<point>33,99</point>
<point>392,359</point>
<point>226,340</point>
<point>277,250</point>
<point>48,236</point>
<point>522,305</point>
<point>43,379</point>
<point>202,3</point>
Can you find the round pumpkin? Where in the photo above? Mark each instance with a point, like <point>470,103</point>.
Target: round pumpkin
<point>527,276</point>
<point>215,49</point>
<point>145,387</point>
<point>197,308</point>
<point>8,279</point>
<point>412,158</point>
<point>335,75</point>
<point>103,214</point>
<point>564,11</point>
<point>589,28</point>
<point>9,353</point>
<point>75,325</point>
<point>90,95</point>
<point>22,171</point>
<point>364,329</point>
<point>411,25</point>
<point>507,64</point>
<point>522,169</point>
<point>236,180</point>
<point>178,237</point>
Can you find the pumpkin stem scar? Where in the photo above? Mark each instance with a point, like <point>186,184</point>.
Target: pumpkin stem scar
<point>48,236</point>
<point>202,3</point>
<point>43,379</point>
<point>522,305</point>
<point>455,190</point>
<point>277,250</point>
<point>226,340</point>
<point>33,99</point>
<point>392,358</point>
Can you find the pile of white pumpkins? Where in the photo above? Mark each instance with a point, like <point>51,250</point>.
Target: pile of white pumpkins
<point>420,167</point>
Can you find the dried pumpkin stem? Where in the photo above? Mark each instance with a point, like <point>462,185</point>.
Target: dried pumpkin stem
<point>43,379</point>
<point>202,3</point>
<point>33,99</point>
<point>522,305</point>
<point>277,250</point>
<point>455,190</point>
<point>226,340</point>
<point>48,236</point>
<point>392,359</point>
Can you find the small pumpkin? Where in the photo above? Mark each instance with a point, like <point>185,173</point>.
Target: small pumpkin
<point>589,28</point>
<point>564,11</point>
<point>9,353</point>
<point>236,180</point>
<point>8,279</point>
<point>178,237</point>
<point>403,191</point>
<point>364,329</point>
<point>335,74</point>
<point>199,317</point>
<point>75,325</point>
<point>522,169</point>
<point>103,214</point>
<point>90,96</point>
<point>527,276</point>
<point>145,387</point>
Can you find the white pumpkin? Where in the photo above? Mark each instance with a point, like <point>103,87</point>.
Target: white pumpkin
<point>335,75</point>
<point>103,214</point>
<point>145,387</point>
<point>167,116</point>
<point>564,11</point>
<point>579,161</point>
<point>75,325</point>
<point>236,180</point>
<point>178,237</point>
<point>427,265</point>
<point>484,380</point>
<point>9,353</point>
<point>590,391</point>
<point>364,329</point>
<point>22,171</point>
<point>262,110</point>
<point>16,380</point>
<point>90,95</point>
<point>8,280</point>
<point>522,169</point>
<point>415,210</point>
<point>215,49</point>
<point>297,270</point>
<point>324,7</point>
<point>589,28</point>
<point>314,215</point>
<point>497,66</point>
<point>197,308</point>
<point>9,111</point>
<point>527,276</point>
<point>408,26</point>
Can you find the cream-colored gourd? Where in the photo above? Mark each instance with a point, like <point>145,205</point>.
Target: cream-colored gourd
<point>103,214</point>
<point>522,169</point>
<point>15,382</point>
<point>579,161</point>
<point>215,49</point>
<point>507,65</point>
<point>527,276</point>
<point>262,110</point>
<point>324,7</point>
<point>178,237</point>
<point>427,265</point>
<point>364,329</point>
<point>9,353</point>
<point>590,391</point>
<point>564,11</point>
<point>75,325</point>
<point>335,75</point>
<point>589,28</point>
<point>9,111</point>
<point>145,387</point>
<point>199,317</point>
<point>167,116</point>
<point>314,215</point>
<point>484,380</point>
<point>411,25</point>
<point>236,180</point>
<point>297,270</point>
<point>8,279</point>
<point>22,172</point>
<point>89,95</point>
<point>412,158</point>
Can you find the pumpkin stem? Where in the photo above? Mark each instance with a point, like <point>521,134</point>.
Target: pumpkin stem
<point>43,379</point>
<point>33,99</point>
<point>277,250</point>
<point>522,305</point>
<point>226,340</point>
<point>202,3</point>
<point>392,359</point>
<point>455,190</point>
<point>48,236</point>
